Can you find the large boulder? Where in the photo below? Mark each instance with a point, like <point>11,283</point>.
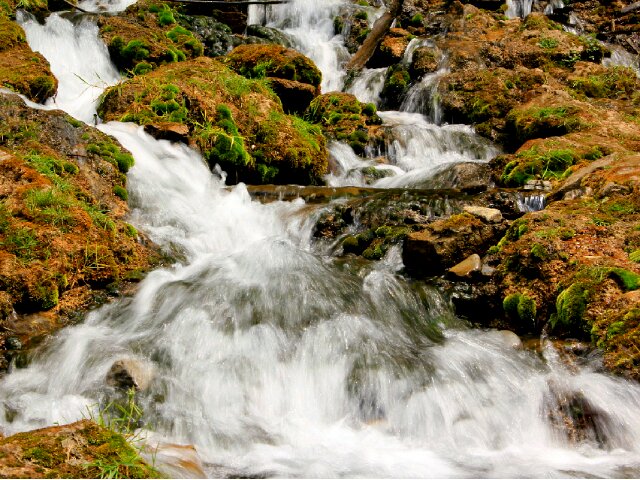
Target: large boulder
<point>444,243</point>
<point>236,122</point>
<point>293,76</point>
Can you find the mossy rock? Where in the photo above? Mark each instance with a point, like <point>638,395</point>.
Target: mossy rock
<point>260,61</point>
<point>21,69</point>
<point>531,122</point>
<point>236,122</point>
<point>95,452</point>
<point>522,308</point>
<point>61,231</point>
<point>396,84</point>
<point>344,118</point>
<point>147,35</point>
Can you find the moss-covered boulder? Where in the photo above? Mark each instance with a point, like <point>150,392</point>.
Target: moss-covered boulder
<point>236,122</point>
<point>344,118</point>
<point>62,234</point>
<point>293,76</point>
<point>22,69</point>
<point>78,450</point>
<point>391,48</point>
<point>147,35</point>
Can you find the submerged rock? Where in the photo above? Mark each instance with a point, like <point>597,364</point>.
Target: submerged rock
<point>129,373</point>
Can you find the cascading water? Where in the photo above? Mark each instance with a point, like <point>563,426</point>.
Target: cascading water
<point>274,360</point>
<point>518,8</point>
<point>368,85</point>
<point>81,81</point>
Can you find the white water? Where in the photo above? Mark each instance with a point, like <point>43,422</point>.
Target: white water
<point>276,361</point>
<point>310,25</point>
<point>86,70</point>
<point>518,8</point>
<point>368,86</point>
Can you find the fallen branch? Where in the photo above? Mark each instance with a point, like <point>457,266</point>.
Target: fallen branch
<point>379,30</point>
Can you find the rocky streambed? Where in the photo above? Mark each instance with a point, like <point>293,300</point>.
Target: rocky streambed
<point>527,221</point>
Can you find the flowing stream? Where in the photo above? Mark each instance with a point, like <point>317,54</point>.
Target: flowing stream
<point>274,360</point>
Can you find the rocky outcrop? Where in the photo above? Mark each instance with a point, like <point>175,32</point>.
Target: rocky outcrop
<point>344,118</point>
<point>146,36</point>
<point>62,235</point>
<point>444,243</point>
<point>293,77</point>
<point>235,122</point>
<point>22,69</point>
<point>78,450</point>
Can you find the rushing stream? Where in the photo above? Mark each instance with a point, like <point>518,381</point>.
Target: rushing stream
<point>274,360</point>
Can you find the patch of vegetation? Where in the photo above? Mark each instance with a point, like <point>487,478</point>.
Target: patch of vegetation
<point>542,122</point>
<point>113,154</point>
<point>616,82</point>
<point>548,43</point>
<point>531,164</point>
<point>518,306</point>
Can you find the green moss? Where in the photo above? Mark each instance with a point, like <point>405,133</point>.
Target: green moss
<point>40,456</point>
<point>375,251</point>
<point>571,305</point>
<point>361,15</point>
<point>539,252</point>
<point>142,68</point>
<point>518,306</point>
<point>548,43</point>
<point>46,296</point>
<point>112,154</point>
<point>121,192</point>
<point>130,230</point>
<point>628,280</point>
<point>417,20</point>
<point>635,256</point>
<point>543,122</point>
<point>531,164</point>
<point>165,16</point>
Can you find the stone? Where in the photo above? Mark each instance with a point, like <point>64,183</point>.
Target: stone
<point>129,373</point>
<point>468,266</point>
<point>470,177</point>
<point>544,185</point>
<point>295,96</point>
<point>611,188</point>
<point>490,215</point>
<point>507,338</point>
<point>444,243</point>
<point>174,132</point>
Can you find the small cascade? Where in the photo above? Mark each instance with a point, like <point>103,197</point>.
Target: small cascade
<point>105,6</point>
<point>421,148</point>
<point>533,202</point>
<point>423,97</point>
<point>312,30</point>
<point>67,46</point>
<point>621,57</point>
<point>350,170</point>
<point>368,86</point>
<point>552,6</point>
<point>518,8</point>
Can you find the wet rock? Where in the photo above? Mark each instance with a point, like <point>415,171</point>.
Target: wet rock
<point>216,37</point>
<point>256,61</point>
<point>22,69</point>
<point>508,338</point>
<point>425,60</point>
<point>129,373</point>
<point>295,96</point>
<point>573,415</point>
<point>471,177</point>
<point>172,131</point>
<point>244,130</point>
<point>490,215</point>
<point>174,460</point>
<point>270,35</point>
<point>146,36</point>
<point>444,243</point>
<point>470,265</point>
<point>612,189</point>
<point>542,185</point>
<point>391,49</point>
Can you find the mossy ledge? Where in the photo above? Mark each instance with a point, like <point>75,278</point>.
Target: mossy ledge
<point>79,450</point>
<point>236,122</point>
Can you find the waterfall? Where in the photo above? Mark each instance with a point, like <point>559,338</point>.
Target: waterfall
<point>518,8</point>
<point>80,82</point>
<point>275,360</point>
<point>368,86</point>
